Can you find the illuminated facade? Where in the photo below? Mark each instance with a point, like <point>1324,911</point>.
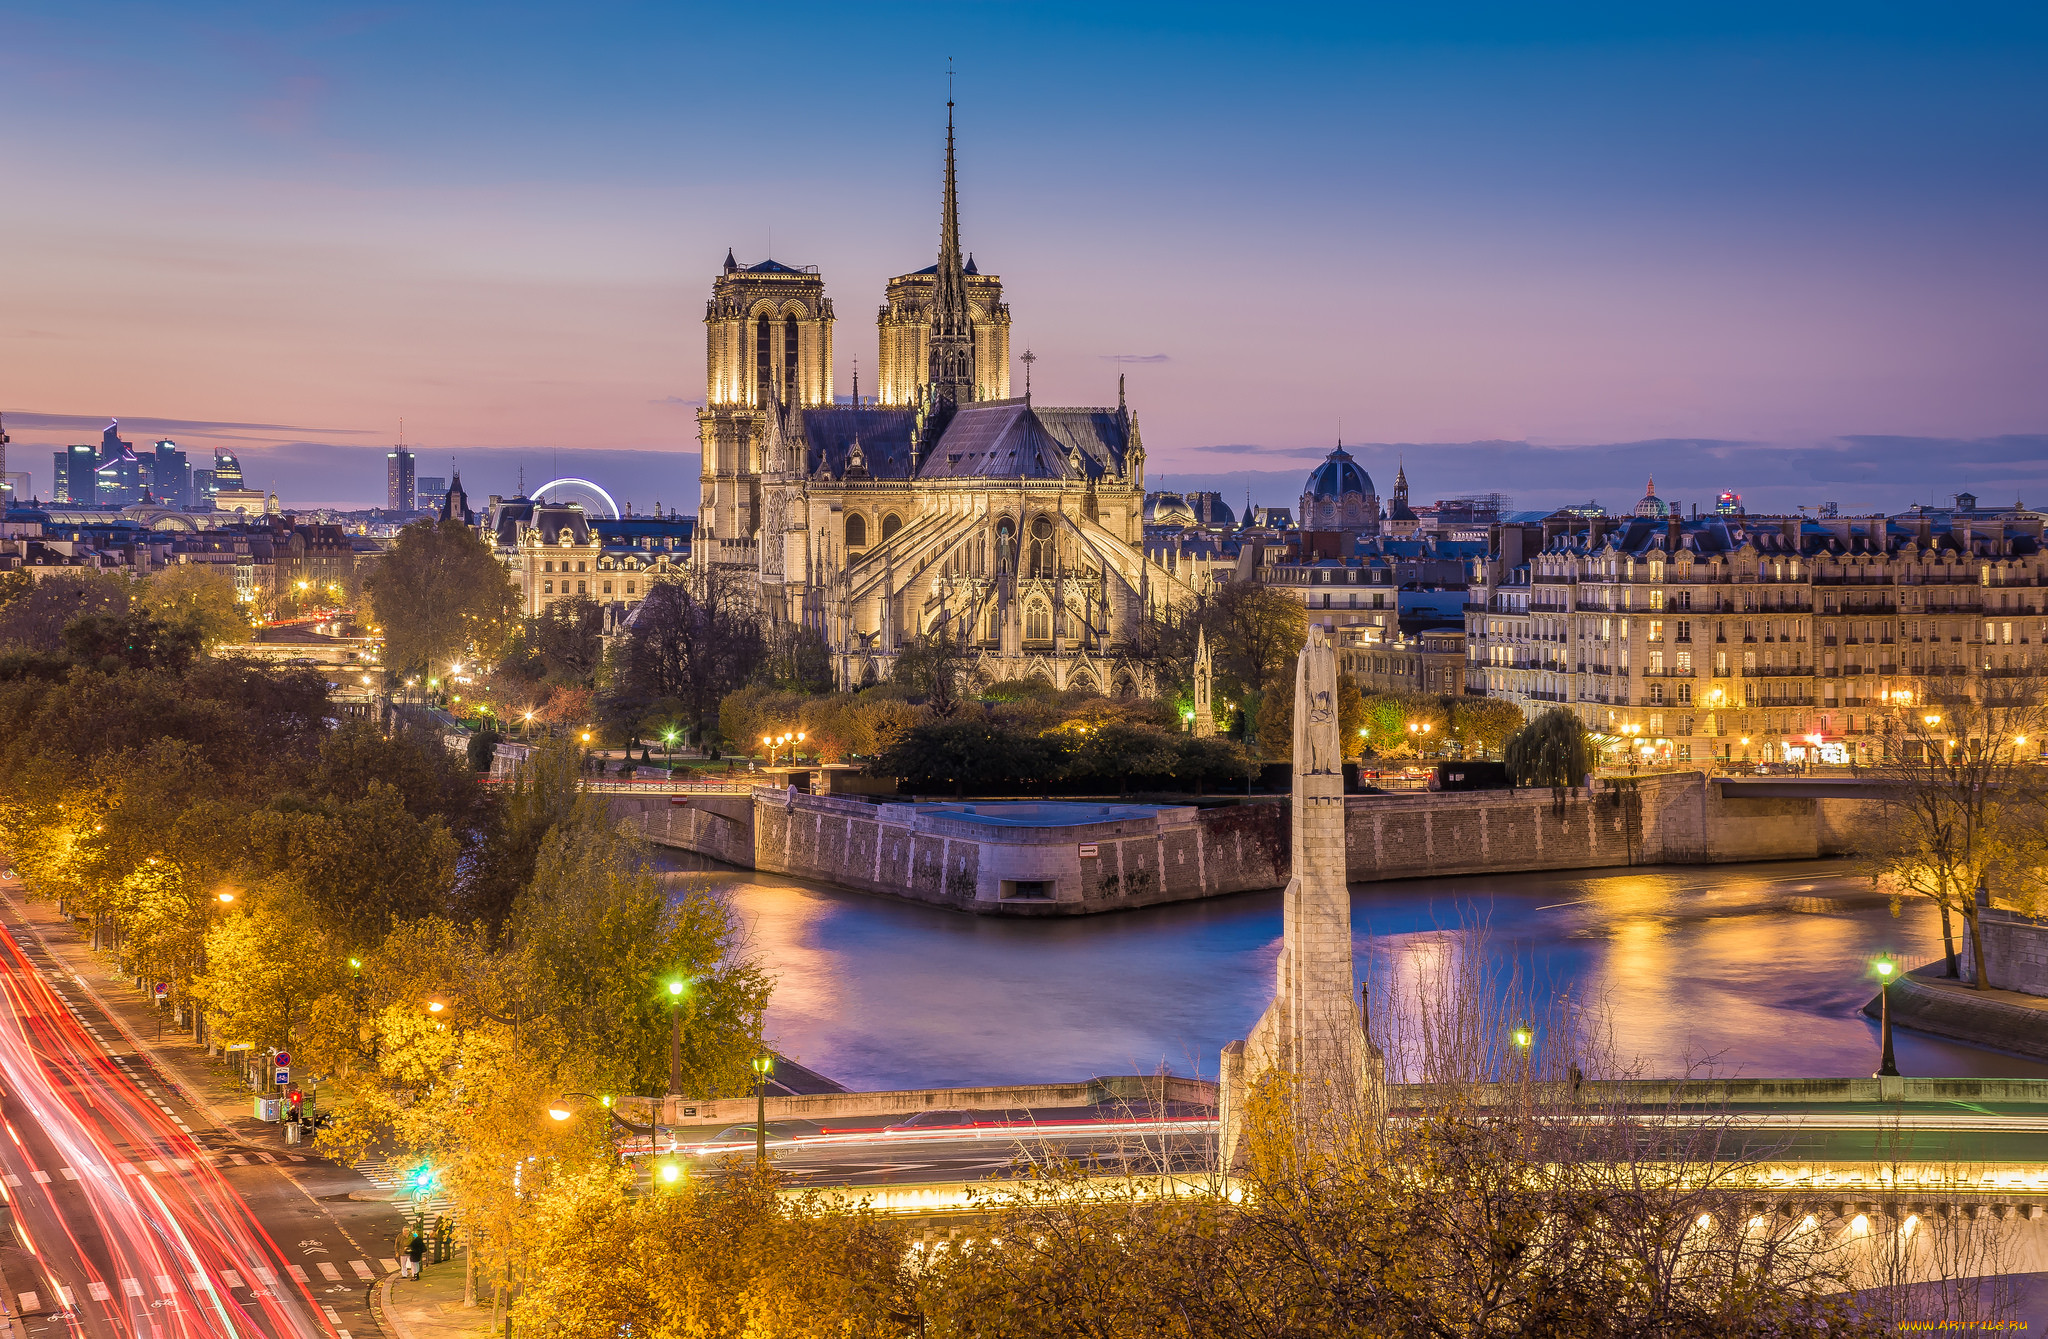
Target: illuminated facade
<point>1747,637</point>
<point>940,506</point>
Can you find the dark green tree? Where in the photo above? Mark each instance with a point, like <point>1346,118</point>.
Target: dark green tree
<point>969,753</point>
<point>1553,750</point>
<point>441,597</point>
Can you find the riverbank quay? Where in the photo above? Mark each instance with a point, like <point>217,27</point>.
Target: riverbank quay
<point>1924,1000</point>
<point>1064,858</point>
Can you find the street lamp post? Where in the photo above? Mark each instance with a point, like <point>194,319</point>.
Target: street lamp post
<point>763,1067</point>
<point>1887,1068</point>
<point>675,1039</point>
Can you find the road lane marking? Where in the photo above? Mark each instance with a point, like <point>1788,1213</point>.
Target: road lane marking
<point>13,1180</point>
<point>238,1160</point>
<point>42,1178</point>
<point>265,1276</point>
<point>297,1274</point>
<point>182,1164</point>
<point>100,1292</point>
<point>155,1166</point>
<point>362,1270</point>
<point>67,1173</point>
<point>231,1278</point>
<point>67,1297</point>
<point>133,1287</point>
<point>166,1285</point>
<point>29,1301</point>
<point>390,1265</point>
<point>329,1272</point>
<point>201,1283</point>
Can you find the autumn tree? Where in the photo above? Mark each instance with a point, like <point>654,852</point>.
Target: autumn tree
<point>1963,799</point>
<point>199,596</point>
<point>442,597</point>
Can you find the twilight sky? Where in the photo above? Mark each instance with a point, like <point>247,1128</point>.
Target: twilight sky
<point>1793,249</point>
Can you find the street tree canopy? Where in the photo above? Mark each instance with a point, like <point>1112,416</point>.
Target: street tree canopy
<point>441,597</point>
<point>200,597</point>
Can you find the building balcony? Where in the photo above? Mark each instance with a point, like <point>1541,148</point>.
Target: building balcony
<point>1669,673</point>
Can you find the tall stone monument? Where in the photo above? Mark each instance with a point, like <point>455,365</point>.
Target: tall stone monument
<point>1205,678</point>
<point>1313,1032</point>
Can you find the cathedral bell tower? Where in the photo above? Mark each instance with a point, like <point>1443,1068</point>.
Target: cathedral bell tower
<point>767,342</point>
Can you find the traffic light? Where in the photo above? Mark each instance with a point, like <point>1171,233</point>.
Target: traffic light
<point>422,1181</point>
<point>294,1102</point>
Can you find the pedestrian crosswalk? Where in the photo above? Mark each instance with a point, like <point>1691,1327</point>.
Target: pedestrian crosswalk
<point>260,1277</point>
<point>163,1166</point>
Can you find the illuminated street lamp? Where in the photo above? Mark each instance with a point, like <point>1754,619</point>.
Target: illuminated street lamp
<point>781,741</point>
<point>1887,1068</point>
<point>675,1037</point>
<point>763,1066</point>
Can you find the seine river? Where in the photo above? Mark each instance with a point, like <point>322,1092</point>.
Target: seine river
<point>1758,970</point>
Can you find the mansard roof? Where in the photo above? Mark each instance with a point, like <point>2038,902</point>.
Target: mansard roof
<point>1015,439</point>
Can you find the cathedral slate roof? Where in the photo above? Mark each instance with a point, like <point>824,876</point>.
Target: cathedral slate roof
<point>884,436</point>
<point>1013,439</point>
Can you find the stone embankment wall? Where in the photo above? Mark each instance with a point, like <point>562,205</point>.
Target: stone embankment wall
<point>1139,855</point>
<point>2015,946</point>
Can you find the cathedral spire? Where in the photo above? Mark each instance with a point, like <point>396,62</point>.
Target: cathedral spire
<point>952,338</point>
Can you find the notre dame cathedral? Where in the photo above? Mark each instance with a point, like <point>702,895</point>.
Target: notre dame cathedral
<point>941,506</point>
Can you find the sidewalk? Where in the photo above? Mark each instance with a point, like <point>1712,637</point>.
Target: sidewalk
<point>1925,1000</point>
<point>431,1307</point>
<point>206,1084</point>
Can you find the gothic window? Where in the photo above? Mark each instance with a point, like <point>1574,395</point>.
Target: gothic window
<point>890,525</point>
<point>856,531</point>
<point>1037,622</point>
<point>1041,548</point>
<point>764,361</point>
<point>789,359</point>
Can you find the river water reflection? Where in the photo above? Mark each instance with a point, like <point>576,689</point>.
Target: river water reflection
<point>1763,968</point>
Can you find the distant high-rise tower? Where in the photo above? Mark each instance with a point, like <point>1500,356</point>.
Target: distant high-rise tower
<point>400,472</point>
<point>76,482</point>
<point>168,475</point>
<point>227,472</point>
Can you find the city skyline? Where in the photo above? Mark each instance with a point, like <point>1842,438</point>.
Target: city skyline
<point>1783,254</point>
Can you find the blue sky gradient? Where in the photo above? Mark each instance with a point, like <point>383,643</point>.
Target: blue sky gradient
<point>1778,248</point>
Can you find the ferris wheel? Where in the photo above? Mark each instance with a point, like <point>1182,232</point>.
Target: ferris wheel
<point>578,490</point>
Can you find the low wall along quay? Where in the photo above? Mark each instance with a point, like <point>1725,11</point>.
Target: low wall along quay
<point>1066,858</point>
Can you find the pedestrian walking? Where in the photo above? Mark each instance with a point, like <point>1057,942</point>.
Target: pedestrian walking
<point>415,1251</point>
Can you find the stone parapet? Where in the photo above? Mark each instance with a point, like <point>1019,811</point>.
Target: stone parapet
<point>1056,858</point>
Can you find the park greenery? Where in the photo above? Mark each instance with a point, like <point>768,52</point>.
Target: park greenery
<point>694,668</point>
<point>446,957</point>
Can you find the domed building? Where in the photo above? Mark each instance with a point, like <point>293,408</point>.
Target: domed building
<point>1652,506</point>
<point>1339,496</point>
<point>1168,509</point>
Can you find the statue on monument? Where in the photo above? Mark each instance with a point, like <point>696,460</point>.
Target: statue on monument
<point>1312,1035</point>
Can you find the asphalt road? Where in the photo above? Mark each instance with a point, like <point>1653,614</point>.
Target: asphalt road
<point>128,1212</point>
